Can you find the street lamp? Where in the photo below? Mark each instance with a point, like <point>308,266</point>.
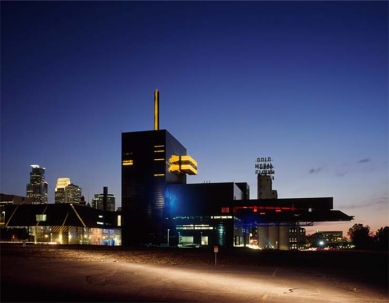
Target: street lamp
<point>3,213</point>
<point>168,239</point>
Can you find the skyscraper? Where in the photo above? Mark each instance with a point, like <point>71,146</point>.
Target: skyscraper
<point>60,190</point>
<point>66,192</point>
<point>73,194</point>
<point>98,202</point>
<point>37,188</point>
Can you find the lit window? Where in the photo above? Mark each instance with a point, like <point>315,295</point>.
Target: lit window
<point>41,217</point>
<point>159,151</point>
<point>159,159</point>
<point>128,162</point>
<point>225,210</point>
<point>159,175</point>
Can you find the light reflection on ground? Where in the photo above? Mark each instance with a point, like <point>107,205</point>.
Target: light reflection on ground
<point>106,278</point>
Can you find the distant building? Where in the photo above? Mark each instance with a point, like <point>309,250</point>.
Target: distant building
<point>10,200</point>
<point>66,192</point>
<point>265,188</point>
<point>73,194</point>
<point>37,188</point>
<point>14,199</point>
<point>297,238</point>
<point>332,239</point>
<point>98,202</point>
<point>60,189</point>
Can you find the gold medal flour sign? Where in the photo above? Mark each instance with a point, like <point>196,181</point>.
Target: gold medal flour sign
<point>263,166</point>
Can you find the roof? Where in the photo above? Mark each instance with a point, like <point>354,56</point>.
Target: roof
<point>59,214</point>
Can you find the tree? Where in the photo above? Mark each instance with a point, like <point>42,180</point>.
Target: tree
<point>361,236</point>
<point>381,238</point>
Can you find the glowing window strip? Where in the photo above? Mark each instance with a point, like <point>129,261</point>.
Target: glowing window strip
<point>159,145</point>
<point>128,162</point>
<point>159,175</point>
<point>221,217</point>
<point>159,151</point>
<point>191,228</point>
<point>159,159</point>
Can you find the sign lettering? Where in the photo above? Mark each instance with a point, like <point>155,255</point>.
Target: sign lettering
<point>264,167</point>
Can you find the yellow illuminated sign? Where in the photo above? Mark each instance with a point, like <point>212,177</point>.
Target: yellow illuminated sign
<point>183,164</point>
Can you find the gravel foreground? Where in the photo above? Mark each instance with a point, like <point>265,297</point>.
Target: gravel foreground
<point>117,274</point>
<point>228,257</point>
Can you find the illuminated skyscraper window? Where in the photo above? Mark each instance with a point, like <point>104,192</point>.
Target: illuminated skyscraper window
<point>67,192</point>
<point>60,190</point>
<point>73,194</point>
<point>98,202</point>
<point>37,188</point>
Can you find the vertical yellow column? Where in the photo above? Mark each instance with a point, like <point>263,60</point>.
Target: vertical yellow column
<point>156,109</point>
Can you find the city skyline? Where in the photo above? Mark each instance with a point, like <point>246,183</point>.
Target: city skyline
<point>305,83</point>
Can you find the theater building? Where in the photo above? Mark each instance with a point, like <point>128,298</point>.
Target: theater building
<point>159,207</point>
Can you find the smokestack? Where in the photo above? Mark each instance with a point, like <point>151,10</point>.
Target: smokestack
<point>105,197</point>
<point>156,109</point>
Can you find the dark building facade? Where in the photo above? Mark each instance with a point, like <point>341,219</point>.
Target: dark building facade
<point>98,202</point>
<point>145,173</point>
<point>196,213</point>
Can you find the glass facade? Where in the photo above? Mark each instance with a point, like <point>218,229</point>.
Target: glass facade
<point>37,188</point>
<point>145,173</point>
<point>61,223</point>
<point>73,194</point>
<point>74,235</point>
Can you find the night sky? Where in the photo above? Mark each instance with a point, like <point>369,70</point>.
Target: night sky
<point>305,83</point>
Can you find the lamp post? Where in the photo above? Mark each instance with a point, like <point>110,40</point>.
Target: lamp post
<point>168,239</point>
<point>3,213</point>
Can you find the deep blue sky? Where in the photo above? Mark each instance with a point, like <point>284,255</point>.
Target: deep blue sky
<point>305,83</point>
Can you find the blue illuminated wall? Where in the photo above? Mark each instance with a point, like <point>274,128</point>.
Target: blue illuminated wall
<point>196,210</point>
<point>203,199</point>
